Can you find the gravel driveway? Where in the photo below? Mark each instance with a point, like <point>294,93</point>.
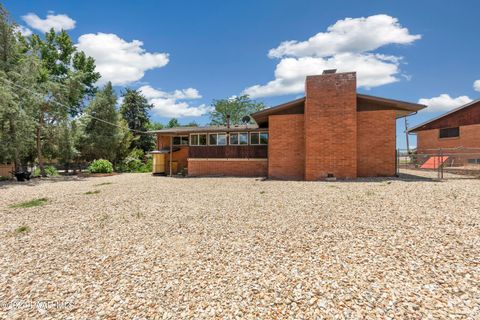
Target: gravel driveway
<point>146,247</point>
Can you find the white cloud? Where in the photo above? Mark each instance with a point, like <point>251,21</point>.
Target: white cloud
<point>476,85</point>
<point>55,21</point>
<point>167,104</point>
<point>347,46</point>
<point>117,60</point>
<point>24,31</point>
<point>444,102</point>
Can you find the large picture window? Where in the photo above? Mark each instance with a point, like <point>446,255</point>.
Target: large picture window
<point>449,132</point>
<point>258,138</point>
<point>198,139</point>
<point>180,141</point>
<point>239,138</point>
<point>217,139</point>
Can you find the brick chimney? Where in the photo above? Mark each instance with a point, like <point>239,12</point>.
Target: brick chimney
<point>331,126</point>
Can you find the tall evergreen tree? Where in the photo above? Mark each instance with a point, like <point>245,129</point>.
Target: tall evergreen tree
<point>17,72</point>
<point>134,111</point>
<point>101,139</point>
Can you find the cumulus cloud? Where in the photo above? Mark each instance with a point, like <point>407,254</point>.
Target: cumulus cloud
<point>476,85</point>
<point>117,60</point>
<point>173,104</point>
<point>55,21</point>
<point>24,31</point>
<point>347,45</point>
<point>444,102</point>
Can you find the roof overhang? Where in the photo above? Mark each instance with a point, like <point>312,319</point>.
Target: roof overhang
<point>402,108</point>
<point>188,130</point>
<point>424,125</point>
<point>364,103</point>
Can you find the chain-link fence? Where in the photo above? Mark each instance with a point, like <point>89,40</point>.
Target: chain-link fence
<point>452,163</point>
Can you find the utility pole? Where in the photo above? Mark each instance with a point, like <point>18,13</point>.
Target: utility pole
<point>406,135</point>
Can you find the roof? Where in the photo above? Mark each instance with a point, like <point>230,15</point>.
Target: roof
<point>403,108</point>
<point>424,124</point>
<point>186,130</point>
<point>262,115</point>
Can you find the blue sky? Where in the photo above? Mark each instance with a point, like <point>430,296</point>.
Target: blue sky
<point>194,51</point>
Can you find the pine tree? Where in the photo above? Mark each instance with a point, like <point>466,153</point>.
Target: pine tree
<point>134,111</point>
<point>101,137</point>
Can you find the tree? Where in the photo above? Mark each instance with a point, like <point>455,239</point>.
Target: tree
<point>18,75</point>
<point>237,108</point>
<point>173,123</point>
<point>67,78</point>
<point>101,137</point>
<point>134,111</point>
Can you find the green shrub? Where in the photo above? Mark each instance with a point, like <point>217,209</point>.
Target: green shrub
<point>2,178</point>
<point>134,162</point>
<point>49,170</point>
<point>100,166</point>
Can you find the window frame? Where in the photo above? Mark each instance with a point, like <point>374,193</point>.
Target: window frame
<point>198,139</point>
<point>181,144</point>
<point>449,137</point>
<point>217,134</point>
<point>258,133</point>
<point>238,139</point>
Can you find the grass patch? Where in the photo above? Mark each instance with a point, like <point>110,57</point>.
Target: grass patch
<point>31,203</point>
<point>262,192</point>
<point>22,229</point>
<point>102,184</point>
<point>92,192</point>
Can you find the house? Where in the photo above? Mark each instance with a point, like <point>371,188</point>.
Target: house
<point>455,134</point>
<point>331,132</point>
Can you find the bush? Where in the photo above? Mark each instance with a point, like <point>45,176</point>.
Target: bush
<point>100,166</point>
<point>134,162</point>
<point>2,178</point>
<point>49,170</point>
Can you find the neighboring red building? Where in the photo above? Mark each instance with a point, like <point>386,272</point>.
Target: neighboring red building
<point>455,132</point>
<point>459,128</point>
<point>332,132</point>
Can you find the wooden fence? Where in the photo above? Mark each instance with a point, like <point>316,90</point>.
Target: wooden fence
<point>5,170</point>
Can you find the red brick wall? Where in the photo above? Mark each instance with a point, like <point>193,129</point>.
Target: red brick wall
<point>376,143</point>
<point>429,139</point>
<point>286,153</point>
<point>331,126</point>
<point>232,168</point>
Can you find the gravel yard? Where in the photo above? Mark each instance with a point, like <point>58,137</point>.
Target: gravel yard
<point>170,248</point>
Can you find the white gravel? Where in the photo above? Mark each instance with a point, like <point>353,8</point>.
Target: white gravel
<point>169,248</point>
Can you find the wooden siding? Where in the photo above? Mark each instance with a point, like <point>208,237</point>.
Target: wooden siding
<point>5,170</point>
<point>241,152</point>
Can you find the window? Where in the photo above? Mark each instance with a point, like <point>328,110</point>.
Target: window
<point>217,139</point>
<point>449,132</point>
<point>180,141</point>
<point>198,139</point>
<point>239,138</point>
<point>474,161</point>
<point>258,138</point>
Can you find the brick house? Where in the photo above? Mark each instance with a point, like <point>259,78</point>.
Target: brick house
<point>457,131</point>
<point>331,132</point>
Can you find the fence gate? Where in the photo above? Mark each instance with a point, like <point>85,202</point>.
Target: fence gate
<point>452,163</point>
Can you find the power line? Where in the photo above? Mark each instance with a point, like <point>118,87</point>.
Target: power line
<point>63,105</point>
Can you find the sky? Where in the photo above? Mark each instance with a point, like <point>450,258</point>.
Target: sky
<point>183,54</point>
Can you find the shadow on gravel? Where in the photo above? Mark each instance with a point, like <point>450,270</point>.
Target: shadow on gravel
<point>36,181</point>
